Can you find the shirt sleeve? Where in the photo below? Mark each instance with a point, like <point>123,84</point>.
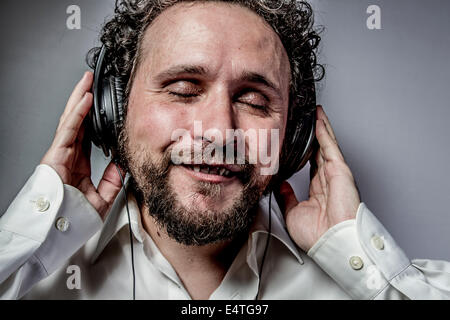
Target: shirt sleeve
<point>363,258</point>
<point>43,227</point>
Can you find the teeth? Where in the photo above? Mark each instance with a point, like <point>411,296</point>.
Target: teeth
<point>204,170</point>
<point>212,170</point>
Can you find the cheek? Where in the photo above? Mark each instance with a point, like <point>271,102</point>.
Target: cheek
<point>151,123</point>
<point>270,133</point>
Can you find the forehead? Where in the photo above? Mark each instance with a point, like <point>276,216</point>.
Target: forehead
<point>217,35</point>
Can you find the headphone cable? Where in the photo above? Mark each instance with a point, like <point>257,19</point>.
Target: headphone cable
<point>269,235</point>
<point>129,229</point>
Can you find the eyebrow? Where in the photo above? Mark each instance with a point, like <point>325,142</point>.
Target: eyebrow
<point>254,77</point>
<point>179,70</point>
<point>247,76</point>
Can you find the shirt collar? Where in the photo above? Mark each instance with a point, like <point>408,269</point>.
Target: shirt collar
<point>277,229</point>
<point>118,218</point>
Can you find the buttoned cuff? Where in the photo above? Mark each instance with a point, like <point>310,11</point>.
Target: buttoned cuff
<point>360,255</point>
<point>76,222</point>
<point>56,216</point>
<point>33,211</point>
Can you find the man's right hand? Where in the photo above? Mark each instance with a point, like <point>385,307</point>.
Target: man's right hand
<point>69,154</point>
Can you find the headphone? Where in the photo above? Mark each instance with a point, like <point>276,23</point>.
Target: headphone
<point>107,113</point>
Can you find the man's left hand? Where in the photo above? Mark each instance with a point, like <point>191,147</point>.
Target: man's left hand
<point>333,196</point>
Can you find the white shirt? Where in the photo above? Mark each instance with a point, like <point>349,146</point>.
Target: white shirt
<point>51,237</point>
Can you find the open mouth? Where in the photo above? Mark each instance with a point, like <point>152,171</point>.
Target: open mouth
<point>213,170</point>
<point>219,172</point>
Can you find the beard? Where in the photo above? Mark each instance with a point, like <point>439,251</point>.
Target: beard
<point>187,224</point>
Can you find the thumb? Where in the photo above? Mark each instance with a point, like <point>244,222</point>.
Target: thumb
<point>110,184</point>
<point>287,196</point>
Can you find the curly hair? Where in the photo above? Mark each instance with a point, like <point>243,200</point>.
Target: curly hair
<point>292,20</point>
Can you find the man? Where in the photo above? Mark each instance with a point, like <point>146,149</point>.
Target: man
<point>199,231</point>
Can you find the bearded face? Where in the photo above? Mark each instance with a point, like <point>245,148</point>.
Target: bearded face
<point>223,66</point>
<point>199,218</point>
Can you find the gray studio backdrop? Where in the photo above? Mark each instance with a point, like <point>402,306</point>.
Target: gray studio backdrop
<point>386,92</point>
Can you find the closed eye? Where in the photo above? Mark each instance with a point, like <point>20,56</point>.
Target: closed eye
<point>183,95</point>
<point>253,99</point>
<point>256,106</point>
<point>184,89</point>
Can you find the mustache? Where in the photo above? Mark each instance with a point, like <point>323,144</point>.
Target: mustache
<point>203,155</point>
<point>207,153</point>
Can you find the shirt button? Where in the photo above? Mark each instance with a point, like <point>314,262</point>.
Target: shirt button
<point>62,224</point>
<point>42,204</point>
<point>377,242</point>
<point>356,263</point>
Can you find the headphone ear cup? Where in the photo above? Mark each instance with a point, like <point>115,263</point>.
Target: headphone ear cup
<point>117,99</point>
<point>298,150</point>
<point>106,116</point>
<point>103,114</point>
<point>302,143</point>
<point>120,95</point>
<point>300,130</point>
<point>301,133</point>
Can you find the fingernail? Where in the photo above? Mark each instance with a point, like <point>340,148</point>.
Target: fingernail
<point>85,74</point>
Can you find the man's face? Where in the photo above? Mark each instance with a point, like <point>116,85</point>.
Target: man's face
<point>220,66</point>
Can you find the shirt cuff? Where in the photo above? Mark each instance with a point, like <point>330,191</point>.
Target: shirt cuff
<point>33,211</point>
<point>360,255</point>
<point>56,217</point>
<point>76,222</point>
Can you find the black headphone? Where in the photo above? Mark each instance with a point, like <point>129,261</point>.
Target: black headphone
<point>107,114</point>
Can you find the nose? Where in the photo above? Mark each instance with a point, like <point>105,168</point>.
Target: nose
<point>217,117</point>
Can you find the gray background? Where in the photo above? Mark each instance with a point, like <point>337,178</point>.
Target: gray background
<point>386,92</point>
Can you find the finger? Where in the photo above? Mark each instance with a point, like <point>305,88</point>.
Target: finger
<point>69,129</point>
<point>317,170</point>
<point>328,147</point>
<point>288,197</point>
<point>322,116</point>
<point>321,174</point>
<point>110,184</point>
<point>320,158</point>
<point>315,187</point>
<point>88,189</point>
<point>83,86</point>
